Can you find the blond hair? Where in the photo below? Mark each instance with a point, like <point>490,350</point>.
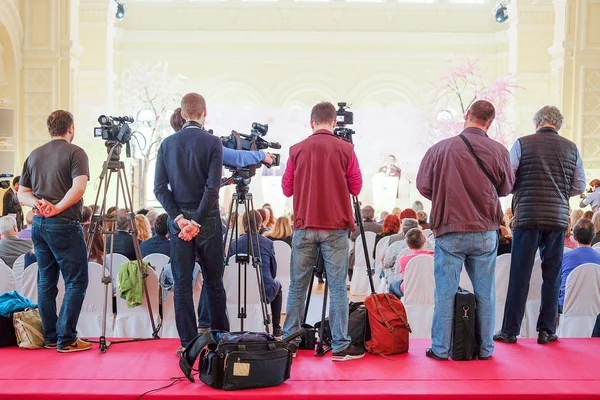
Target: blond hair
<point>282,229</point>
<point>575,217</point>
<point>143,227</point>
<point>596,221</point>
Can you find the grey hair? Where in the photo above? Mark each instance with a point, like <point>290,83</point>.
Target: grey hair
<point>152,215</point>
<point>408,224</point>
<point>548,115</point>
<point>122,220</point>
<point>368,212</point>
<point>7,224</point>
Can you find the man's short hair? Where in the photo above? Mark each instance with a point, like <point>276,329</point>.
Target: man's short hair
<point>595,182</point>
<point>548,115</point>
<point>408,224</point>
<point>368,212</point>
<point>422,217</point>
<point>255,221</point>
<point>482,112</point>
<point>59,122</point>
<point>8,224</point>
<point>122,220</point>
<point>415,239</point>
<point>177,120</point>
<point>16,180</point>
<point>323,113</point>
<point>193,105</point>
<point>87,213</point>
<point>584,231</point>
<point>161,226</point>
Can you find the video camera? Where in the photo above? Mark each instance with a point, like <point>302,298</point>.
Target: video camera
<point>344,117</point>
<point>5,183</point>
<point>115,129</point>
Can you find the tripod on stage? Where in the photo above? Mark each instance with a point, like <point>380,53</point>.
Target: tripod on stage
<point>105,224</point>
<point>242,196</point>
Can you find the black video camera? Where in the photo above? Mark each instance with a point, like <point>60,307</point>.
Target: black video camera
<point>5,184</point>
<point>114,129</point>
<point>344,117</point>
<point>251,142</point>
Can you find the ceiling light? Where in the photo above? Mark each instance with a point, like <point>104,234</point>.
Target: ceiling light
<point>501,13</point>
<point>120,11</point>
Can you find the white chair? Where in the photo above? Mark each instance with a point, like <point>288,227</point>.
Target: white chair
<point>419,285</point>
<point>158,261</point>
<point>117,260</point>
<point>135,322</point>
<point>90,318</point>
<point>7,278</point>
<point>29,282</point>
<point>596,247</point>
<point>380,249</point>
<point>427,233</point>
<point>582,302</point>
<point>502,278</point>
<point>465,281</point>
<point>18,268</point>
<point>566,250</point>
<point>534,300</point>
<point>254,319</point>
<point>407,251</point>
<point>283,256</point>
<point>359,286</point>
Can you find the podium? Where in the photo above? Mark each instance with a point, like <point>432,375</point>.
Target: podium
<point>385,192</point>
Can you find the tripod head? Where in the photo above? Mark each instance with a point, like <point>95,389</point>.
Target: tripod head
<point>241,178</point>
<point>113,148</point>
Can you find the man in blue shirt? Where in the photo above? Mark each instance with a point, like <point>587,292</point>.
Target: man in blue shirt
<point>592,199</point>
<point>159,243</point>
<point>583,233</point>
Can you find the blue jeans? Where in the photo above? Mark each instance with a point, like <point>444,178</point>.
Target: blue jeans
<point>477,250</point>
<point>208,247</point>
<point>60,248</point>
<point>334,247</point>
<point>524,246</point>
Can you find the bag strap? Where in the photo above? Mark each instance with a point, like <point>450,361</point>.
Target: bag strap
<point>400,316</point>
<point>479,162</point>
<point>465,318</point>
<point>31,329</point>
<point>189,356</point>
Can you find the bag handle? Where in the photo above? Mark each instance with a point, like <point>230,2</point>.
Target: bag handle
<point>400,317</point>
<point>479,162</point>
<point>189,356</point>
<point>378,306</point>
<point>31,329</point>
<point>465,318</point>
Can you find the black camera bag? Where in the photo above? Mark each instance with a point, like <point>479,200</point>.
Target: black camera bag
<point>358,325</point>
<point>465,346</point>
<point>7,332</point>
<point>309,338</point>
<point>238,360</point>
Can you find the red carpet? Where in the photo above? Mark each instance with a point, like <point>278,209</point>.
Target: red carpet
<point>568,369</point>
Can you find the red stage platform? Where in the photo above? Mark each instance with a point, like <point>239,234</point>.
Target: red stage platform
<point>569,369</point>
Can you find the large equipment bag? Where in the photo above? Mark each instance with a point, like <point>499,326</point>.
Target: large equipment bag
<point>358,325</point>
<point>28,329</point>
<point>239,360</point>
<point>465,346</point>
<point>388,325</point>
<point>7,332</point>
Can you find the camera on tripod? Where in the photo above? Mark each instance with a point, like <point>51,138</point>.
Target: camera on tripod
<point>344,117</point>
<point>114,129</point>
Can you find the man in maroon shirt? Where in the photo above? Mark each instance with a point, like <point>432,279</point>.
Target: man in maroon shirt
<point>322,172</point>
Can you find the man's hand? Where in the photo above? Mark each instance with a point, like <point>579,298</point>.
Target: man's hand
<point>269,158</point>
<point>189,232</point>
<point>182,223</point>
<point>46,208</point>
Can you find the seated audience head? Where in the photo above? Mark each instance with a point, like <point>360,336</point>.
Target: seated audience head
<point>508,213</point>
<point>596,221</point>
<point>594,184</point>
<point>161,227</point>
<point>177,120</point>
<point>391,224</point>
<point>60,125</point>
<point>408,224</point>
<point>575,217</point>
<point>15,183</point>
<point>383,215</point>
<point>481,114</point>
<point>266,205</point>
<point>8,227</point>
<point>396,211</point>
<point>282,229</point>
<point>152,215</point>
<point>29,218</point>
<point>368,213</point>
<point>264,216</point>
<point>255,221</point>
<point>87,215</point>
<point>587,215</point>
<point>418,206</point>
<point>408,213</point>
<point>269,222</point>
<point>97,249</point>
<point>143,227</point>
<point>122,220</point>
<point>584,232</point>
<point>548,116</point>
<point>143,211</point>
<point>415,239</point>
<point>422,217</point>
<point>323,116</point>
<point>193,107</point>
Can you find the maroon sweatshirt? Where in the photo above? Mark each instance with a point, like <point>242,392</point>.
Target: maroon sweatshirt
<point>463,198</point>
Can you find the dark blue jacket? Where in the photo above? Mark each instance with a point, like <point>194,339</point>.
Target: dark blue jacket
<point>156,244</point>
<point>188,172</point>
<point>267,255</point>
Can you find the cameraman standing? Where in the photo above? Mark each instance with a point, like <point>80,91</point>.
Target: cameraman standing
<point>322,172</point>
<point>186,183</point>
<point>593,198</point>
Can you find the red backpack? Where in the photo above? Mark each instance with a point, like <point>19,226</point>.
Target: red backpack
<point>388,323</point>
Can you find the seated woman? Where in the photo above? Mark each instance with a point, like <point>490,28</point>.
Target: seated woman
<point>391,226</point>
<point>261,244</point>
<point>282,231</point>
<point>415,241</point>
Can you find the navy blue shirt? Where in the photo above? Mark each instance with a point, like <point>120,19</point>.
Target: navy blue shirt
<point>188,172</point>
<point>156,244</point>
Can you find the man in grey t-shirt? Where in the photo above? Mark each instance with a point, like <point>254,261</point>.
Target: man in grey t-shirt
<point>53,183</point>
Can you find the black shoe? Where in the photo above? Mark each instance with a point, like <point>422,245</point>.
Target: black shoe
<point>351,352</point>
<point>484,358</point>
<point>429,353</point>
<point>504,338</point>
<point>277,331</point>
<point>545,337</point>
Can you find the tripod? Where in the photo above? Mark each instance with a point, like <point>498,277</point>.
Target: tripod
<point>242,196</point>
<point>104,224</point>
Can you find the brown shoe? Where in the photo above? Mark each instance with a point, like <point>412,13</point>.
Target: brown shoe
<point>78,345</point>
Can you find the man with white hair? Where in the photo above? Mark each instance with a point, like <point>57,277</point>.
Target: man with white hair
<point>11,246</point>
<point>548,171</point>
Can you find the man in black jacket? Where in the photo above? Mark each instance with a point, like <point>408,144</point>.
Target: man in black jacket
<point>186,183</point>
<point>548,171</point>
<point>11,204</point>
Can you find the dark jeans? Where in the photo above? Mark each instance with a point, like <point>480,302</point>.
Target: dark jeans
<point>395,289</point>
<point>525,243</point>
<point>207,246</point>
<point>60,248</point>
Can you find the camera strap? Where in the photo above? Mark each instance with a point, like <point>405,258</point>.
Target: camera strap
<point>479,162</point>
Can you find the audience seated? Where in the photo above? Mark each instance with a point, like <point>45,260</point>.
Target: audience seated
<point>422,217</point>
<point>417,206</point>
<point>584,233</point>
<point>369,223</point>
<point>504,239</point>
<point>397,211</point>
<point>587,215</point>
<point>596,222</point>
<point>569,241</point>
<point>11,246</point>
<point>390,226</point>
<point>143,227</point>
<point>264,246</point>
<point>86,220</point>
<point>415,241</point>
<point>151,216</point>
<point>160,242</point>
<point>382,217</point>
<point>264,218</point>
<point>408,213</point>
<point>123,242</point>
<point>96,253</point>
<point>392,252</point>
<point>271,220</point>
<point>282,231</point>
<point>575,216</point>
<point>26,233</point>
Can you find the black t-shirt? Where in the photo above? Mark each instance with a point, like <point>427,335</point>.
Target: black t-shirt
<point>49,172</point>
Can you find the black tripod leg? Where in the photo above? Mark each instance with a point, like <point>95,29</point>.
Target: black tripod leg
<point>321,348</point>
<point>309,294</point>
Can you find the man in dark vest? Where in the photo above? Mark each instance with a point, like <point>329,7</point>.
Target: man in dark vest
<point>548,171</point>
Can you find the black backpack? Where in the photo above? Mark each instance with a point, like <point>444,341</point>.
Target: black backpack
<point>465,346</point>
<point>358,325</point>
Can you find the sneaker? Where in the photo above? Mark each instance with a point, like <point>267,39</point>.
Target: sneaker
<point>180,351</point>
<point>78,345</point>
<point>50,346</point>
<point>545,337</point>
<point>504,338</point>
<point>277,332</point>
<point>351,352</point>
